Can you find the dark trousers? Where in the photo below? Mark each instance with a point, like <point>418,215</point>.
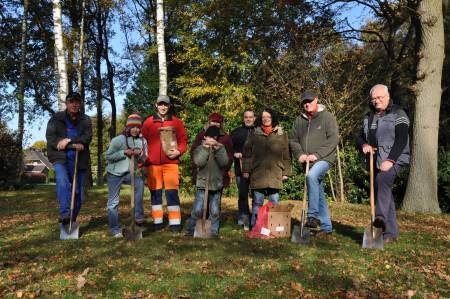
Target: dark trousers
<point>385,204</point>
<point>243,188</point>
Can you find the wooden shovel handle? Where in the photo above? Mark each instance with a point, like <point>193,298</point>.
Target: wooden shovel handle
<point>305,188</point>
<point>208,174</point>
<point>372,192</point>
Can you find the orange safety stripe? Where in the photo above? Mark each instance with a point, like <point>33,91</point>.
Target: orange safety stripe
<point>158,214</point>
<point>174,215</point>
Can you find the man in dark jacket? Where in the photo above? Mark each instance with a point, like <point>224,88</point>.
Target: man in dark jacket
<point>385,128</point>
<point>239,136</point>
<point>67,132</point>
<point>314,138</point>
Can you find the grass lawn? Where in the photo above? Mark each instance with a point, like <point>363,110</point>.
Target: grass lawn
<point>35,263</point>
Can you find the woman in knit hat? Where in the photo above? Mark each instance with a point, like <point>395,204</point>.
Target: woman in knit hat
<point>122,148</point>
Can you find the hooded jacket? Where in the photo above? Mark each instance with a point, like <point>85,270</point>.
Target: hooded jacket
<point>318,135</point>
<point>224,139</point>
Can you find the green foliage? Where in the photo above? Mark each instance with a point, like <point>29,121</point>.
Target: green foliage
<point>10,157</point>
<point>444,180</point>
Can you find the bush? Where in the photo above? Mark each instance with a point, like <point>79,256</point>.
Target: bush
<point>444,180</point>
<point>10,156</point>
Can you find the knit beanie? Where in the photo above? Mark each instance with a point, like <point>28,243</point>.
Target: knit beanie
<point>134,120</point>
<point>215,117</point>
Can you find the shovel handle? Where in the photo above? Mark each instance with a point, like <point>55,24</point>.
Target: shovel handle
<point>74,188</point>
<point>305,187</point>
<point>132,183</point>
<point>372,192</point>
<point>208,174</point>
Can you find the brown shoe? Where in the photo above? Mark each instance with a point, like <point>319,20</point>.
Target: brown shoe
<point>390,240</point>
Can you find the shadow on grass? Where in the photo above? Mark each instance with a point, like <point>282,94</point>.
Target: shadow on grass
<point>349,231</point>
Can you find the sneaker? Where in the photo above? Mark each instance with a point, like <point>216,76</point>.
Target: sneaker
<point>379,223</point>
<point>312,222</point>
<point>246,224</point>
<point>118,236</point>
<point>188,234</point>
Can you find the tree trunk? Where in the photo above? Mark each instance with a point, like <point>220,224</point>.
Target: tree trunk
<point>63,85</point>
<point>421,192</point>
<point>21,91</point>
<point>81,53</point>
<point>99,96</point>
<point>112,97</point>
<point>341,178</point>
<point>161,47</point>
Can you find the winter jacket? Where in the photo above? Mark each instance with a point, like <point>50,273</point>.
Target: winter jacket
<point>267,158</point>
<point>390,134</point>
<point>224,139</point>
<point>57,131</point>
<point>239,136</point>
<point>318,135</point>
<point>118,162</point>
<point>220,161</point>
<point>150,132</point>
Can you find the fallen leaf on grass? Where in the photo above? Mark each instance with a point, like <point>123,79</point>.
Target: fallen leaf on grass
<point>297,286</point>
<point>19,294</point>
<point>81,279</point>
<point>410,293</point>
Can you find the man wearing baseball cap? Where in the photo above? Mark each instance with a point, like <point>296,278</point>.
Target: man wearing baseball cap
<point>314,138</point>
<point>163,172</point>
<point>69,131</point>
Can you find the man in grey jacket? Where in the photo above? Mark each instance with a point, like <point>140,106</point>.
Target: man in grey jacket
<point>118,155</point>
<point>385,128</point>
<point>314,138</point>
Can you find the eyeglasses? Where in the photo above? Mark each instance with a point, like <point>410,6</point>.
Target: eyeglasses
<point>378,98</point>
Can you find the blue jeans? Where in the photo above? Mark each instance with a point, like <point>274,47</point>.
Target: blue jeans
<point>317,205</point>
<point>114,184</point>
<point>64,179</point>
<point>258,200</point>
<point>214,198</point>
<point>243,187</point>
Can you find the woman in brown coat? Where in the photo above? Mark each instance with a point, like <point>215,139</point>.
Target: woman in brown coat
<point>266,160</point>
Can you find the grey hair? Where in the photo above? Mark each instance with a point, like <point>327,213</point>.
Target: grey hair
<point>385,88</point>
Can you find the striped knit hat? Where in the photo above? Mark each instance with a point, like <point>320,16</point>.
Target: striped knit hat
<point>134,120</point>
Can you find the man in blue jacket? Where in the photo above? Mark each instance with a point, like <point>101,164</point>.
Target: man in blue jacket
<point>69,131</point>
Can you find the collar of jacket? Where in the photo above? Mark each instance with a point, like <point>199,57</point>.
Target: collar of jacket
<point>62,116</point>
<point>278,130</point>
<point>321,108</point>
<point>157,118</point>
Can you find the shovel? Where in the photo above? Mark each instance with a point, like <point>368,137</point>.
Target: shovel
<point>301,234</point>
<point>132,232</point>
<point>72,230</point>
<point>373,237</point>
<point>203,226</point>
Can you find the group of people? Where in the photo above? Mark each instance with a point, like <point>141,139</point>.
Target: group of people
<point>261,150</point>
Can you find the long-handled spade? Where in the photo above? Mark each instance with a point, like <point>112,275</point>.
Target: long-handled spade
<point>302,234</point>
<point>203,226</point>
<point>373,237</point>
<point>132,232</point>
<point>71,232</point>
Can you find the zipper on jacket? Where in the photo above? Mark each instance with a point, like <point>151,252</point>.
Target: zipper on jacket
<point>307,136</point>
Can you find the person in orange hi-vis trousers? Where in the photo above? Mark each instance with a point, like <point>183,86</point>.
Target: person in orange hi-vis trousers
<point>167,141</point>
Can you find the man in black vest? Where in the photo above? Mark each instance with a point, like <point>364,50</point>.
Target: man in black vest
<point>385,128</point>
